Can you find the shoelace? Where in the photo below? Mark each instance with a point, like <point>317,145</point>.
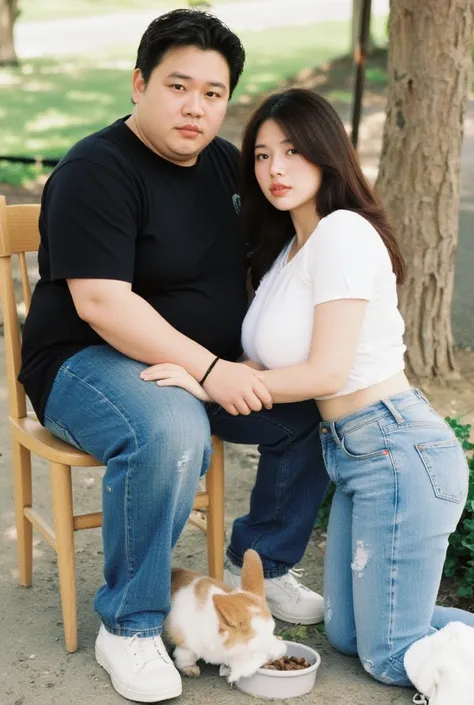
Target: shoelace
<point>145,650</point>
<point>420,699</point>
<point>292,580</point>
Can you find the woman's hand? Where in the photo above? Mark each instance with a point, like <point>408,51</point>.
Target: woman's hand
<point>253,365</point>
<point>169,375</point>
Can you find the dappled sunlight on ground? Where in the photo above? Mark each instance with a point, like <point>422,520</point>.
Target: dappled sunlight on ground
<point>61,101</point>
<point>64,98</point>
<point>10,533</point>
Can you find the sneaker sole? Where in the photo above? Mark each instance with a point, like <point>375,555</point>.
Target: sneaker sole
<point>130,694</point>
<point>291,619</point>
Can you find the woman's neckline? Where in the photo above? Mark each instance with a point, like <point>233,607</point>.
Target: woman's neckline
<point>285,262</point>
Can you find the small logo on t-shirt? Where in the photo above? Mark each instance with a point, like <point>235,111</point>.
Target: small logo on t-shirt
<point>236,202</point>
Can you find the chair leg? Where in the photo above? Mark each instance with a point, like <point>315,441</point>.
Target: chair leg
<point>215,513</point>
<point>61,489</point>
<point>23,498</point>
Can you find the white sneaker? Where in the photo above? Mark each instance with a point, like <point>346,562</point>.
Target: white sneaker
<point>288,599</point>
<point>140,669</point>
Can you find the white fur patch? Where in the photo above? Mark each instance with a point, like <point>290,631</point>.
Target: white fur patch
<point>441,665</point>
<point>197,623</point>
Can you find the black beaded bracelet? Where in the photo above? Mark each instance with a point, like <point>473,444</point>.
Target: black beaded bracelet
<point>209,369</point>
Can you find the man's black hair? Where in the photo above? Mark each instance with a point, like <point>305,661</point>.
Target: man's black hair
<point>181,28</point>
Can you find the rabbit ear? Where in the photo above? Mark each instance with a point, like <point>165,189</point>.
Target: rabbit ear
<point>227,610</point>
<point>252,573</point>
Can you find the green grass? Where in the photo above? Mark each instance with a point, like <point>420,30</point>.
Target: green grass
<point>38,10</point>
<point>49,103</point>
<point>282,52</point>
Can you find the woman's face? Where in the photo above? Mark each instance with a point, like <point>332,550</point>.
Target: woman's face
<point>287,180</point>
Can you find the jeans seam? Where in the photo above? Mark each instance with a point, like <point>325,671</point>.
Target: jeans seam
<point>279,486</point>
<point>130,568</point>
<point>376,418</point>
<point>279,481</point>
<point>106,399</point>
<point>69,436</point>
<point>268,573</point>
<point>130,564</point>
<point>393,564</point>
<point>126,632</point>
<point>274,423</point>
<point>272,573</point>
<point>338,481</point>
<point>406,425</point>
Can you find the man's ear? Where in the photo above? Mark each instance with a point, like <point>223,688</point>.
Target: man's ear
<point>138,85</point>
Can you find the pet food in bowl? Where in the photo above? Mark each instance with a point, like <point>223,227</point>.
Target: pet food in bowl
<point>289,677</point>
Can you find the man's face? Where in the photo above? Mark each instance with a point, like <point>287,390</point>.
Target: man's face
<point>182,107</point>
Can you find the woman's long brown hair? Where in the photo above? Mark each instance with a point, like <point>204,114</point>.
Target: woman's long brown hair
<point>315,130</point>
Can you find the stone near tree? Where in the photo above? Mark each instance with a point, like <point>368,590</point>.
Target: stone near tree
<point>429,70</point>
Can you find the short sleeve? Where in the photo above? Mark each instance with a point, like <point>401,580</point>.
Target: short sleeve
<point>343,258</point>
<point>90,218</point>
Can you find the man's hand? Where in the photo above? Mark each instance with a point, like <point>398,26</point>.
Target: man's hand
<point>237,388</point>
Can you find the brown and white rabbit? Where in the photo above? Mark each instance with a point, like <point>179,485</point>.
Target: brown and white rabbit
<point>231,627</point>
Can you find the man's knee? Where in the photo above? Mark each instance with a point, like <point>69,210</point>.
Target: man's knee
<point>176,435</point>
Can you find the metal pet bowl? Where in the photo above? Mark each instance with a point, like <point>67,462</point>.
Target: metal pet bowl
<point>279,685</point>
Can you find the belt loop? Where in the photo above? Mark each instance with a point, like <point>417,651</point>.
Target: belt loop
<point>331,426</point>
<point>420,394</point>
<point>396,414</point>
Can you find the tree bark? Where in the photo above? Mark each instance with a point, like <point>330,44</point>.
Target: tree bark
<point>8,14</point>
<point>429,68</point>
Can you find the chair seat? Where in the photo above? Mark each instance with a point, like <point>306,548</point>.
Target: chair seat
<point>32,435</point>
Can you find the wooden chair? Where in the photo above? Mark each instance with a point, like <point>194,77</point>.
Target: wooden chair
<point>19,234</point>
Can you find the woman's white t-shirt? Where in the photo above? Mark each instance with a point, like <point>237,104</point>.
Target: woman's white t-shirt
<point>345,258</point>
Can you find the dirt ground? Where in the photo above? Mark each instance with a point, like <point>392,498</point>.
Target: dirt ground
<point>34,667</point>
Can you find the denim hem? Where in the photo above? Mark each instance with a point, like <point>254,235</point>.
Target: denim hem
<point>268,573</point>
<point>128,632</point>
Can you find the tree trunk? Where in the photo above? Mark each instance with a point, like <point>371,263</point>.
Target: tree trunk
<point>8,15</point>
<point>429,70</point>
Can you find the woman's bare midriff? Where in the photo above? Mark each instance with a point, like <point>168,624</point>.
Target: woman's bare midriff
<point>337,407</point>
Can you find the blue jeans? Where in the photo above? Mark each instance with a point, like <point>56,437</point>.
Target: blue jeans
<point>401,483</point>
<point>155,443</point>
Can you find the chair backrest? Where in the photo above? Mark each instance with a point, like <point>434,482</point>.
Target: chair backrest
<point>18,234</point>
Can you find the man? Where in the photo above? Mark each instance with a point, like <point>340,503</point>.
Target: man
<point>143,261</point>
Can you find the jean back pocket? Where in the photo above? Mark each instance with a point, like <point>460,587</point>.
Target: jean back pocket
<point>447,468</point>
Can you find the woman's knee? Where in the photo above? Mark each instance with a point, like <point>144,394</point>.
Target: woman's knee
<point>385,668</point>
<point>340,637</point>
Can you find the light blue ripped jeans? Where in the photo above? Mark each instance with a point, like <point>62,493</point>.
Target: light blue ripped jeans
<point>401,483</point>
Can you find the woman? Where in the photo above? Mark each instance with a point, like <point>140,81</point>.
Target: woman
<point>324,324</point>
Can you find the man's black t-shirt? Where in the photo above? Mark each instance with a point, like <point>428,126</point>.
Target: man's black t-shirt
<point>113,209</point>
